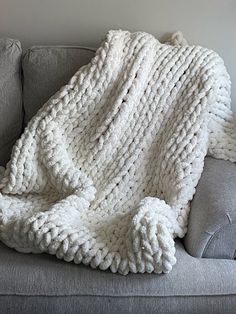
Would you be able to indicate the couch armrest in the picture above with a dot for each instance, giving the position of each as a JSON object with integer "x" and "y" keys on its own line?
{"x": 212, "y": 221}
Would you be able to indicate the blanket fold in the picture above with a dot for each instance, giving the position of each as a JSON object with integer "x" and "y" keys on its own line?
{"x": 105, "y": 171}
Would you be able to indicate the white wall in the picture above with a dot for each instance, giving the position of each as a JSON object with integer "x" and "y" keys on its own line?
{"x": 210, "y": 23}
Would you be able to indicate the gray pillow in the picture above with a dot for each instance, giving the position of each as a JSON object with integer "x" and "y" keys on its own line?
{"x": 11, "y": 115}
{"x": 46, "y": 69}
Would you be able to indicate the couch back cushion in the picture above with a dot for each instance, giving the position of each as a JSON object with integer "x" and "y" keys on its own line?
{"x": 11, "y": 115}
{"x": 46, "y": 69}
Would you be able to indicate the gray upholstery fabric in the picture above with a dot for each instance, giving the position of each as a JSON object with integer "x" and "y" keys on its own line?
{"x": 46, "y": 70}
{"x": 43, "y": 284}
{"x": 224, "y": 304}
{"x": 212, "y": 221}
{"x": 10, "y": 96}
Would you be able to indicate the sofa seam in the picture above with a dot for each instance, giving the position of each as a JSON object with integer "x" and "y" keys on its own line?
{"x": 30, "y": 50}
{"x": 60, "y": 47}
{"x": 115, "y": 296}
{"x": 213, "y": 236}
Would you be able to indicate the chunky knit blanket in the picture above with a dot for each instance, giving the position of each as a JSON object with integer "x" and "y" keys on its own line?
{"x": 105, "y": 171}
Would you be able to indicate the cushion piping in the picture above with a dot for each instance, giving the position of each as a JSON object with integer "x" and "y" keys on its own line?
{"x": 212, "y": 237}
{"x": 115, "y": 295}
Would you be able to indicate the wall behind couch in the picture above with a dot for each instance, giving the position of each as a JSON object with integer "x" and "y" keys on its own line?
{"x": 210, "y": 23}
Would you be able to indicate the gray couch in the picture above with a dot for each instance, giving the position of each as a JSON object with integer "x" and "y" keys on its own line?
{"x": 203, "y": 281}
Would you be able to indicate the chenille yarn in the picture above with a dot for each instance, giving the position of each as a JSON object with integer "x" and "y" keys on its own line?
{"x": 104, "y": 172}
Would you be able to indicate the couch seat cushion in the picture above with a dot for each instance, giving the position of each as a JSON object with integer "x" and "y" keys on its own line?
{"x": 41, "y": 282}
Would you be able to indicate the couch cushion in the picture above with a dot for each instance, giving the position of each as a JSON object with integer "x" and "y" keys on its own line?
{"x": 51, "y": 283}
{"x": 212, "y": 221}
{"x": 46, "y": 70}
{"x": 10, "y": 96}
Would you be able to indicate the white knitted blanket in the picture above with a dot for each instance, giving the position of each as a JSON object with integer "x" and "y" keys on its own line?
{"x": 104, "y": 173}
